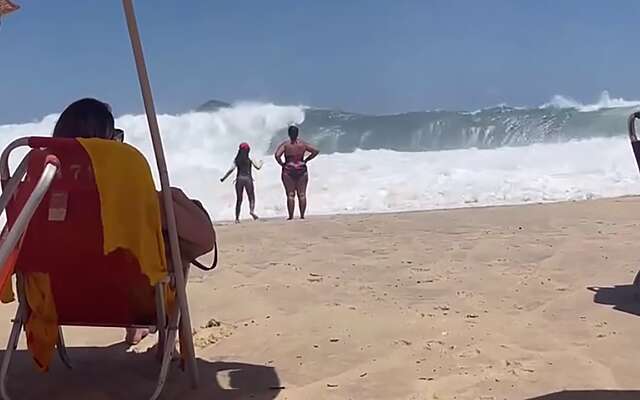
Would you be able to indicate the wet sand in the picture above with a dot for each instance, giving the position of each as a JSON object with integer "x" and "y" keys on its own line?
{"x": 491, "y": 303}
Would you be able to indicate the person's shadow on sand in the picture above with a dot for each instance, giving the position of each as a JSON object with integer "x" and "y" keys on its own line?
{"x": 625, "y": 298}
{"x": 111, "y": 372}
{"x": 591, "y": 395}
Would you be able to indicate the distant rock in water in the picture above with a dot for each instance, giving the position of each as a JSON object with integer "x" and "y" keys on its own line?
{"x": 213, "y": 105}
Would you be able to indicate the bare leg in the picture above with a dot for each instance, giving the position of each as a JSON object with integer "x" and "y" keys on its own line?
{"x": 290, "y": 190}
{"x": 135, "y": 335}
{"x": 301, "y": 190}
{"x": 239, "y": 190}
{"x": 251, "y": 194}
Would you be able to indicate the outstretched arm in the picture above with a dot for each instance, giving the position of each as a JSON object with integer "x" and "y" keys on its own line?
{"x": 229, "y": 172}
{"x": 256, "y": 164}
{"x": 279, "y": 153}
{"x": 313, "y": 152}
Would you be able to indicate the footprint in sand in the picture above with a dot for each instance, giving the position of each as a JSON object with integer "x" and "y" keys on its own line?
{"x": 211, "y": 333}
{"x": 603, "y": 330}
{"x": 517, "y": 368}
{"x": 470, "y": 353}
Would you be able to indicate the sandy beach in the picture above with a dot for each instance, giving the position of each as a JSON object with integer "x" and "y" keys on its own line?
{"x": 523, "y": 302}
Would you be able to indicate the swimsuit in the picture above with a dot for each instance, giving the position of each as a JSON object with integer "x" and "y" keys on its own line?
{"x": 294, "y": 166}
{"x": 295, "y": 170}
{"x": 244, "y": 171}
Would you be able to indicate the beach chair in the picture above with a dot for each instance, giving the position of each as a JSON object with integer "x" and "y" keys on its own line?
{"x": 56, "y": 228}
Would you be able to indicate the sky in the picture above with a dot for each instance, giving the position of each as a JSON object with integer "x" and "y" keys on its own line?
{"x": 371, "y": 56}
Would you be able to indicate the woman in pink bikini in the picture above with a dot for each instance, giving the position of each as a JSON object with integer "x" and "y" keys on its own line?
{"x": 294, "y": 169}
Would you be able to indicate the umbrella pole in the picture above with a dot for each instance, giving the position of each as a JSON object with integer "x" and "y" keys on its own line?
{"x": 187, "y": 347}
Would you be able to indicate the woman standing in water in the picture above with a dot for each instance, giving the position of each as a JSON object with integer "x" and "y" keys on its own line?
{"x": 294, "y": 170}
{"x": 244, "y": 181}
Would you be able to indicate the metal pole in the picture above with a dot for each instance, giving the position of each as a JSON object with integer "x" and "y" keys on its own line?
{"x": 174, "y": 246}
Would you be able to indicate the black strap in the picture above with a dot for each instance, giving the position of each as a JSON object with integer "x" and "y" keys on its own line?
{"x": 197, "y": 263}
{"x": 213, "y": 265}
{"x": 215, "y": 248}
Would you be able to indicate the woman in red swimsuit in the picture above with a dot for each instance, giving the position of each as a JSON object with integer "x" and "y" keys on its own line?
{"x": 294, "y": 170}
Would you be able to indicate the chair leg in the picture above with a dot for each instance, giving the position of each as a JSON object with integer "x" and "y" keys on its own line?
{"x": 186, "y": 340}
{"x": 62, "y": 349}
{"x": 167, "y": 355}
{"x": 18, "y": 322}
{"x": 161, "y": 317}
{"x": 186, "y": 336}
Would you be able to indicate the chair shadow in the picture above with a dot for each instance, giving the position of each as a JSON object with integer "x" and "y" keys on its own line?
{"x": 113, "y": 373}
{"x": 591, "y": 395}
{"x": 622, "y": 297}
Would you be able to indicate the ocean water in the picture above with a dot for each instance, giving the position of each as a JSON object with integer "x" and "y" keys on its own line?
{"x": 414, "y": 161}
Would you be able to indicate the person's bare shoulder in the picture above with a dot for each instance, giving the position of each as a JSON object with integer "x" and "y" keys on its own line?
{"x": 281, "y": 146}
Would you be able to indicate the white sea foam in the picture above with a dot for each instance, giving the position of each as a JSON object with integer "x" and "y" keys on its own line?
{"x": 605, "y": 101}
{"x": 201, "y": 146}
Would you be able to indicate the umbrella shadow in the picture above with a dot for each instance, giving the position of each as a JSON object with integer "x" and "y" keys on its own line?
{"x": 114, "y": 373}
{"x": 591, "y": 395}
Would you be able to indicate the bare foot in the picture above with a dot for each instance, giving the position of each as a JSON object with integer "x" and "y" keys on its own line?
{"x": 237, "y": 221}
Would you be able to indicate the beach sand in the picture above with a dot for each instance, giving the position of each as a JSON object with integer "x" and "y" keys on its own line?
{"x": 488, "y": 303}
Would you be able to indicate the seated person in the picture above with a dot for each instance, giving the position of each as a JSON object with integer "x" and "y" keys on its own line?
{"x": 90, "y": 118}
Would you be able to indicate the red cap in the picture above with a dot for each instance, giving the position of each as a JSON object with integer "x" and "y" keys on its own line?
{"x": 244, "y": 146}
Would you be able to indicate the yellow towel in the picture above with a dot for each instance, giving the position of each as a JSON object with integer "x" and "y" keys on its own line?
{"x": 6, "y": 292}
{"x": 120, "y": 170}
{"x": 42, "y": 325}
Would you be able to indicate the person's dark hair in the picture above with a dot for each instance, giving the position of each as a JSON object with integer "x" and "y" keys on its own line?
{"x": 86, "y": 118}
{"x": 242, "y": 158}
{"x": 293, "y": 132}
